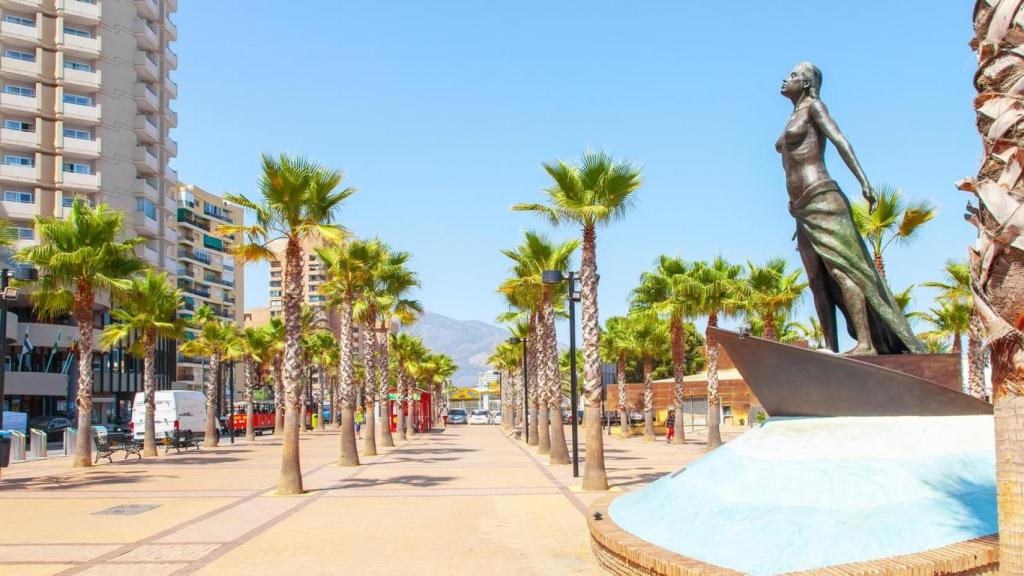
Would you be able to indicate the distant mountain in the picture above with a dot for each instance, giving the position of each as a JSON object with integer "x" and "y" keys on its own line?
{"x": 468, "y": 342}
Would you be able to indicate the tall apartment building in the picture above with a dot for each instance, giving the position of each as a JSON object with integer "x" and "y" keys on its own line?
{"x": 85, "y": 100}
{"x": 313, "y": 275}
{"x": 207, "y": 272}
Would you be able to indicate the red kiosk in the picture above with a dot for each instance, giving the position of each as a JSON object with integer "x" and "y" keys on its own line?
{"x": 421, "y": 403}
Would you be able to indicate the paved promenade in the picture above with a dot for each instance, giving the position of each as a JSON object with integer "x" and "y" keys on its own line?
{"x": 465, "y": 500}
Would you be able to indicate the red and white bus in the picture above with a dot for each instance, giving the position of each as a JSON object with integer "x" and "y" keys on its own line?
{"x": 262, "y": 417}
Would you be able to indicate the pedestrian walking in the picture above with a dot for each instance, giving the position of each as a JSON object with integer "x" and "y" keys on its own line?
{"x": 670, "y": 422}
{"x": 360, "y": 418}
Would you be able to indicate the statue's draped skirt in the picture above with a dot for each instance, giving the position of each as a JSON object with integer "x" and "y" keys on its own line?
{"x": 828, "y": 241}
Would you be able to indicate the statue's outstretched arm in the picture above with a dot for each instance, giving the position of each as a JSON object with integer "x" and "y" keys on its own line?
{"x": 824, "y": 120}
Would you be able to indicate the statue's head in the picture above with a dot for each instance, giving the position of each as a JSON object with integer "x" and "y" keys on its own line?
{"x": 805, "y": 78}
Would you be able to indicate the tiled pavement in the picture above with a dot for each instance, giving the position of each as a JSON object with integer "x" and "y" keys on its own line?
{"x": 464, "y": 500}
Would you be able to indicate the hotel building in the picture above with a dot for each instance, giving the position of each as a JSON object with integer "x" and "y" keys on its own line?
{"x": 85, "y": 97}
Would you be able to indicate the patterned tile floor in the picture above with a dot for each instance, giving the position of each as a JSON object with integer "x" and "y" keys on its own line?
{"x": 446, "y": 502}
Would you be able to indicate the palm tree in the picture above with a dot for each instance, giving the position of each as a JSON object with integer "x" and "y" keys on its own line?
{"x": 664, "y": 291}
{"x": 218, "y": 340}
{"x": 322, "y": 348}
{"x": 812, "y": 332}
{"x": 531, "y": 258}
{"x": 298, "y": 203}
{"x": 617, "y": 344}
{"x": 949, "y": 321}
{"x": 444, "y": 369}
{"x": 78, "y": 258}
{"x": 997, "y": 256}
{"x": 405, "y": 351}
{"x": 956, "y": 287}
{"x": 147, "y": 309}
{"x": 593, "y": 193}
{"x": 714, "y": 288}
{"x": 770, "y": 292}
{"x": 894, "y": 219}
{"x": 524, "y": 307}
{"x": 507, "y": 360}
{"x": 652, "y": 338}
{"x": 275, "y": 333}
{"x": 256, "y": 347}
{"x": 385, "y": 300}
{"x": 350, "y": 268}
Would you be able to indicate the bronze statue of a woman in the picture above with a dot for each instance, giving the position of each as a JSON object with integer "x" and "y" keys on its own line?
{"x": 839, "y": 269}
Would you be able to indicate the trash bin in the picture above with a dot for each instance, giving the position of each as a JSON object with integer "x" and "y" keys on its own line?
{"x": 5, "y": 448}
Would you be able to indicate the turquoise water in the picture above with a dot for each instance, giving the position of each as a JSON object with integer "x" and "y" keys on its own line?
{"x": 806, "y": 493}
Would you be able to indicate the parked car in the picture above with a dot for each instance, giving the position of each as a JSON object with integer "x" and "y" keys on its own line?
{"x": 175, "y": 410}
{"x": 54, "y": 426}
{"x": 479, "y": 417}
{"x": 457, "y": 416}
{"x": 567, "y": 418}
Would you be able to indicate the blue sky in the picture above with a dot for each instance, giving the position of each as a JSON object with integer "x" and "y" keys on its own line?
{"x": 442, "y": 112}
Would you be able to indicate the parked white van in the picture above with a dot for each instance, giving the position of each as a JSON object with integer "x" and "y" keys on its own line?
{"x": 175, "y": 410}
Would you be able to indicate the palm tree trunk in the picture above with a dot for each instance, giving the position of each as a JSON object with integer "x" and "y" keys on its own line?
{"x": 290, "y": 480}
{"x": 958, "y": 346}
{"x": 649, "y": 400}
{"x": 975, "y": 359}
{"x": 400, "y": 404}
{"x": 410, "y": 420}
{"x": 678, "y": 372}
{"x": 769, "y": 325}
{"x": 278, "y": 397}
{"x": 545, "y": 386}
{"x": 149, "y": 387}
{"x": 594, "y": 475}
{"x": 371, "y": 361}
{"x": 997, "y": 266}
{"x": 332, "y": 385}
{"x": 250, "y": 375}
{"x": 714, "y": 427}
{"x": 533, "y": 362}
{"x": 386, "y": 438}
{"x": 321, "y": 423}
{"x": 620, "y": 377}
{"x": 879, "y": 264}
{"x": 210, "y": 438}
{"x": 349, "y": 451}
{"x": 558, "y": 449}
{"x": 83, "y": 318}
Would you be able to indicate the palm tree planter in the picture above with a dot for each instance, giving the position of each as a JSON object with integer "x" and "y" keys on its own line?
{"x": 78, "y": 258}
{"x": 594, "y": 193}
{"x": 148, "y": 308}
{"x": 298, "y": 204}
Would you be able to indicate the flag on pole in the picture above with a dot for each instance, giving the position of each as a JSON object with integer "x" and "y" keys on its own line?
{"x": 53, "y": 352}
{"x": 26, "y": 349}
{"x": 70, "y": 359}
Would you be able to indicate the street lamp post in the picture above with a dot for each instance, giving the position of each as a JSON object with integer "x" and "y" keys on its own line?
{"x": 556, "y": 277}
{"x": 526, "y": 391}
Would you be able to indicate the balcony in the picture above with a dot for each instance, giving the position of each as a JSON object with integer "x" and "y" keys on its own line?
{"x": 19, "y": 139}
{"x": 171, "y": 28}
{"x": 79, "y": 147}
{"x": 169, "y": 263}
{"x": 80, "y": 11}
{"x": 19, "y": 173}
{"x": 172, "y": 147}
{"x": 172, "y": 89}
{"x": 20, "y": 32}
{"x": 147, "y": 37}
{"x": 146, "y": 67}
{"x": 171, "y": 58}
{"x": 145, "y": 226}
{"x": 21, "y": 210}
{"x": 148, "y": 254}
{"x": 146, "y": 163}
{"x": 84, "y": 78}
{"x": 21, "y": 67}
{"x": 193, "y": 254}
{"x": 80, "y": 113}
{"x": 79, "y": 45}
{"x": 146, "y": 130}
{"x": 192, "y": 220}
{"x": 170, "y": 204}
{"x": 172, "y": 175}
{"x": 198, "y": 290}
{"x": 16, "y": 103}
{"x": 146, "y": 101}
{"x": 29, "y": 4}
{"x": 142, "y": 188}
{"x": 88, "y": 182}
{"x": 171, "y": 234}
{"x": 148, "y": 8}
{"x": 172, "y": 118}
{"x": 171, "y": 6}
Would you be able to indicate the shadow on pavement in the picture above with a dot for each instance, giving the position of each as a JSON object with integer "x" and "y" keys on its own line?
{"x": 413, "y": 480}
